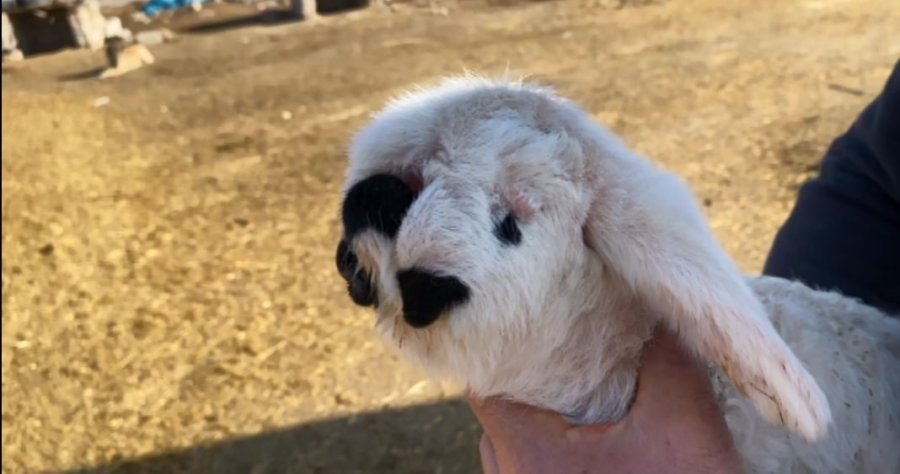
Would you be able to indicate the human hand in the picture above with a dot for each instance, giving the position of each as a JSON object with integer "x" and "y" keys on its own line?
{"x": 674, "y": 426}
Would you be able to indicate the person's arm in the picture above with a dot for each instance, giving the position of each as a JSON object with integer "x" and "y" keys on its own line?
{"x": 673, "y": 427}
{"x": 844, "y": 230}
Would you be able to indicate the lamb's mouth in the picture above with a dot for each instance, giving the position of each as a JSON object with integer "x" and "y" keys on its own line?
{"x": 425, "y": 295}
{"x": 373, "y": 210}
{"x": 363, "y": 289}
{"x": 372, "y": 213}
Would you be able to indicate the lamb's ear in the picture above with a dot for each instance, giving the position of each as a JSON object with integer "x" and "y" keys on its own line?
{"x": 647, "y": 227}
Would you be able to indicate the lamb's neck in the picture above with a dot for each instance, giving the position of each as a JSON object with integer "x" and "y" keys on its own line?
{"x": 610, "y": 401}
{"x": 612, "y": 346}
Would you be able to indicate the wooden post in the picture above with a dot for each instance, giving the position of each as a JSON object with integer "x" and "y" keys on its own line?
{"x": 11, "y": 51}
{"x": 88, "y": 24}
{"x": 9, "y": 36}
{"x": 304, "y": 9}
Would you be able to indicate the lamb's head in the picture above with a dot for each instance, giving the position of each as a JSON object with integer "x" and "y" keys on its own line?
{"x": 460, "y": 230}
{"x": 496, "y": 228}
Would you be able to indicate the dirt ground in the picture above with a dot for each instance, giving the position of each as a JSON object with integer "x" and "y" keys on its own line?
{"x": 170, "y": 302}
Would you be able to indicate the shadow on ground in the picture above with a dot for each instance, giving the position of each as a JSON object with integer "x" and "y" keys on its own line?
{"x": 92, "y": 73}
{"x": 266, "y": 18}
{"x": 437, "y": 438}
{"x": 275, "y": 17}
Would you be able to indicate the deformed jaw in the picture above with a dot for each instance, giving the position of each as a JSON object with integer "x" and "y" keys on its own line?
{"x": 376, "y": 203}
{"x": 425, "y": 295}
{"x": 379, "y": 204}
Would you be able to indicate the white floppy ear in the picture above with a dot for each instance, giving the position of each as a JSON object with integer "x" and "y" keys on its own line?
{"x": 647, "y": 226}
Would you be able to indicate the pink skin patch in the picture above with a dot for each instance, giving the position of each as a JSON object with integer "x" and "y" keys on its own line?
{"x": 519, "y": 204}
{"x": 414, "y": 180}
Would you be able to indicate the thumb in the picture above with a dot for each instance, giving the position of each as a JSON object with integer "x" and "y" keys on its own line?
{"x": 670, "y": 377}
{"x": 488, "y": 456}
{"x": 500, "y": 417}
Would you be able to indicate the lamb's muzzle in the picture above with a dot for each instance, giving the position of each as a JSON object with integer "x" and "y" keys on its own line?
{"x": 379, "y": 203}
{"x": 359, "y": 282}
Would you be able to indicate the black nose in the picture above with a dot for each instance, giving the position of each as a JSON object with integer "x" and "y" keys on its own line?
{"x": 379, "y": 202}
{"x": 426, "y": 295}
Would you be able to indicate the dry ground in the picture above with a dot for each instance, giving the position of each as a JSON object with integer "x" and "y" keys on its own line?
{"x": 169, "y": 297}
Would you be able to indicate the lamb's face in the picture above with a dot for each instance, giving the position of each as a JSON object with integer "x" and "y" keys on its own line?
{"x": 462, "y": 220}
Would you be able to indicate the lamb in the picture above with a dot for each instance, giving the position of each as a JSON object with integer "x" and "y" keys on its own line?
{"x": 508, "y": 241}
{"x": 124, "y": 57}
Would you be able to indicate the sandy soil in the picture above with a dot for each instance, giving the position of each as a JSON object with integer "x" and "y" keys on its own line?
{"x": 169, "y": 297}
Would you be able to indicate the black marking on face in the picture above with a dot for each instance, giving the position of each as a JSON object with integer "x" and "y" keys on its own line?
{"x": 346, "y": 260}
{"x": 426, "y": 295}
{"x": 378, "y": 202}
{"x": 508, "y": 231}
{"x": 359, "y": 284}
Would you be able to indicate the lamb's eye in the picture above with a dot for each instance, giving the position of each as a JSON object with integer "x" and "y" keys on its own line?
{"x": 508, "y": 231}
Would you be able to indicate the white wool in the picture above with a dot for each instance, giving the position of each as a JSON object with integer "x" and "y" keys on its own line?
{"x": 611, "y": 246}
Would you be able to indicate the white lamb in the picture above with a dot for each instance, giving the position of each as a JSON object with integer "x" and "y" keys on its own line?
{"x": 510, "y": 242}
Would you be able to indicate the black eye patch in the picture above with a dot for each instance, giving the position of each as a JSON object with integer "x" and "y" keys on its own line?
{"x": 378, "y": 202}
{"x": 359, "y": 284}
{"x": 507, "y": 230}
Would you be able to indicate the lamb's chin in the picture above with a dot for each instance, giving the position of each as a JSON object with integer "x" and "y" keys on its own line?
{"x": 394, "y": 331}
{"x": 387, "y": 324}
{"x": 383, "y": 317}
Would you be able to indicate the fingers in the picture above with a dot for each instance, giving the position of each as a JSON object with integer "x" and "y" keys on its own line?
{"x": 671, "y": 381}
{"x": 488, "y": 457}
{"x": 665, "y": 359}
{"x": 520, "y": 438}
{"x": 497, "y": 415}
{"x": 673, "y": 406}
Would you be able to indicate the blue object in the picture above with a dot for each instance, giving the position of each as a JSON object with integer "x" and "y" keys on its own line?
{"x": 153, "y": 7}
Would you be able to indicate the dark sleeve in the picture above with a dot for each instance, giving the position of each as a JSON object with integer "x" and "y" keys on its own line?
{"x": 844, "y": 230}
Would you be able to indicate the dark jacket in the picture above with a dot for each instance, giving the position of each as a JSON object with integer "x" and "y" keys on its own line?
{"x": 844, "y": 231}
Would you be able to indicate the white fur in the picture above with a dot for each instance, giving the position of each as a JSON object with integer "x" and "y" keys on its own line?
{"x": 611, "y": 246}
